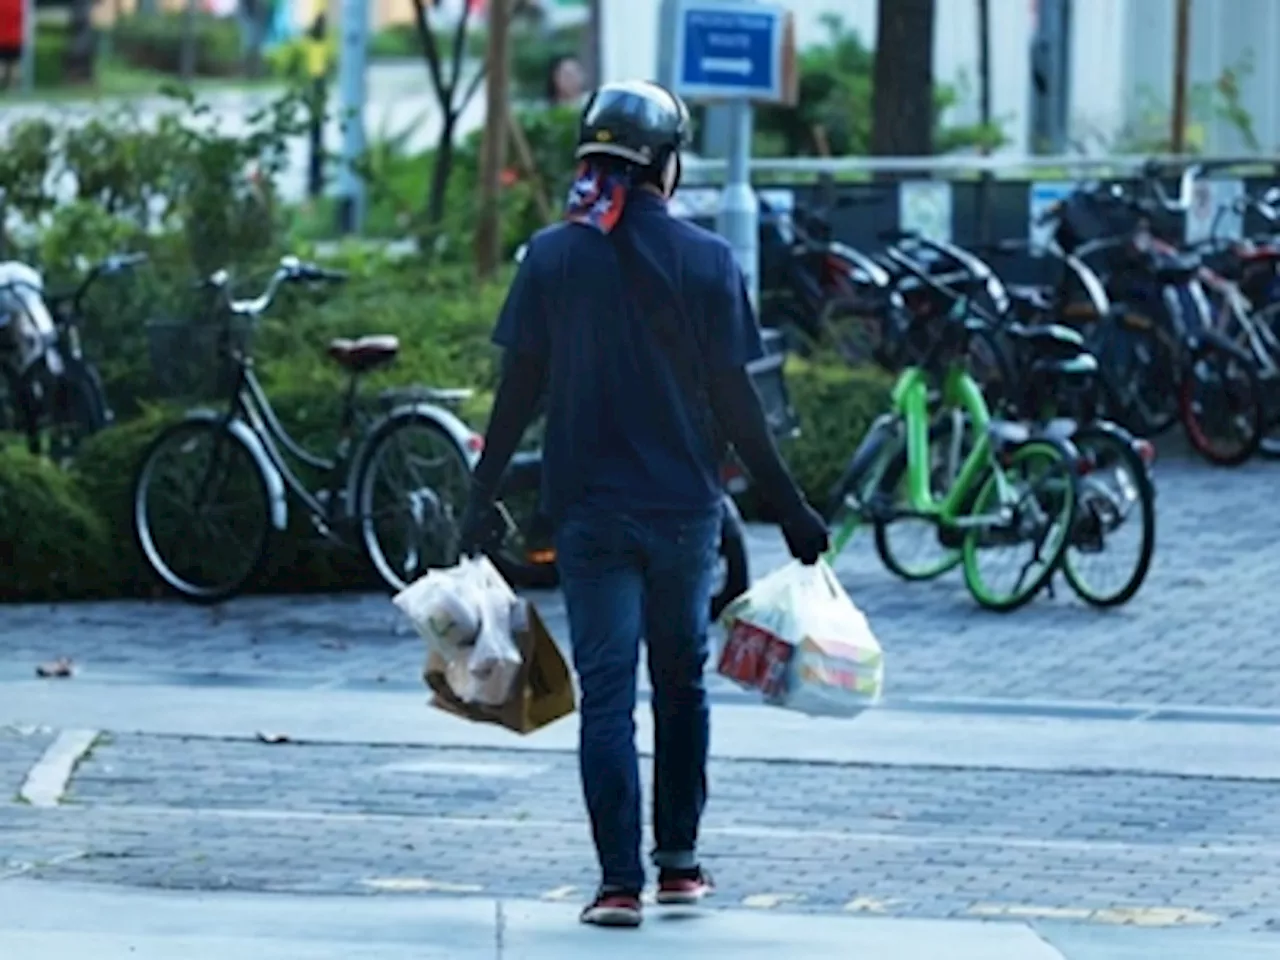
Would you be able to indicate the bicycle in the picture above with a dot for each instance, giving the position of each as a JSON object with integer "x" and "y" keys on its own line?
{"x": 242, "y": 450}
{"x": 1243, "y": 278}
{"x": 58, "y": 394}
{"x": 977, "y": 506}
{"x": 1053, "y": 380}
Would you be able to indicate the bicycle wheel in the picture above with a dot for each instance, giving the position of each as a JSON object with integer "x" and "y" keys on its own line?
{"x": 80, "y": 410}
{"x": 1269, "y": 445}
{"x": 412, "y": 487}
{"x": 1115, "y": 512}
{"x": 988, "y": 363}
{"x": 526, "y": 556}
{"x": 1040, "y": 477}
{"x": 1142, "y": 363}
{"x": 201, "y": 511}
{"x": 732, "y": 575}
{"x": 933, "y": 553}
{"x": 1220, "y": 402}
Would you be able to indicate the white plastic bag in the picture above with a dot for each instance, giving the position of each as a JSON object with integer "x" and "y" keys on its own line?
{"x": 465, "y": 614}
{"x": 797, "y": 638}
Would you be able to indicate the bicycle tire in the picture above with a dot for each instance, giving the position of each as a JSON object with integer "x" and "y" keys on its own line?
{"x": 998, "y": 381}
{"x": 145, "y": 538}
{"x": 1251, "y": 405}
{"x": 1086, "y": 438}
{"x": 1154, "y": 377}
{"x": 82, "y": 408}
{"x": 969, "y": 549}
{"x": 1269, "y": 445}
{"x": 940, "y": 433}
{"x": 447, "y": 515}
{"x": 737, "y": 575}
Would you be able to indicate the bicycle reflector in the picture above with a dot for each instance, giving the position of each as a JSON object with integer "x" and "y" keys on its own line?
{"x": 475, "y": 443}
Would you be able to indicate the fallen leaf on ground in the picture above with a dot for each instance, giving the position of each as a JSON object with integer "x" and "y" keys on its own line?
{"x": 274, "y": 737}
{"x": 60, "y": 668}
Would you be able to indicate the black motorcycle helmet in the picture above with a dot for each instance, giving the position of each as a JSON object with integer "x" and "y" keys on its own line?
{"x": 634, "y": 121}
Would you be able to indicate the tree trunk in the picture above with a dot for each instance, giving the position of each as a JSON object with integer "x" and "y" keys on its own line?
{"x": 902, "y": 93}
{"x": 440, "y": 172}
{"x": 78, "y": 64}
{"x": 493, "y": 152}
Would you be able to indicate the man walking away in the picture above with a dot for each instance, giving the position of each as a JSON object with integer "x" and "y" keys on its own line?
{"x": 638, "y": 328}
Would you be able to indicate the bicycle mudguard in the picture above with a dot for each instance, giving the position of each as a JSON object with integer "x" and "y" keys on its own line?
{"x": 276, "y": 490}
{"x": 449, "y": 423}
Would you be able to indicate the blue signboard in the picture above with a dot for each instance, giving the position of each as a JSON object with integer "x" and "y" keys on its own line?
{"x": 729, "y": 51}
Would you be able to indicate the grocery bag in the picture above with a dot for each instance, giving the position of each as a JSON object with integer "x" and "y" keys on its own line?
{"x": 798, "y": 639}
{"x": 543, "y": 691}
{"x": 465, "y": 615}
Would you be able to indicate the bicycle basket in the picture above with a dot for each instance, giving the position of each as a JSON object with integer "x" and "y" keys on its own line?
{"x": 193, "y": 359}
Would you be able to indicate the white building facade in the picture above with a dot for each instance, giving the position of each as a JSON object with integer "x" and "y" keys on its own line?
{"x": 1120, "y": 60}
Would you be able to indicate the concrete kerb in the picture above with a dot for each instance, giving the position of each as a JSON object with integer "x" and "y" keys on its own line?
{"x": 52, "y": 923}
{"x": 1173, "y": 748}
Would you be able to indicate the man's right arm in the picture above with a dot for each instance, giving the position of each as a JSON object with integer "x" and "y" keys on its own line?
{"x": 734, "y": 338}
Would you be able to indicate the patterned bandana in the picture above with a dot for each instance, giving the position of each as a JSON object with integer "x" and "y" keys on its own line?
{"x": 597, "y": 198}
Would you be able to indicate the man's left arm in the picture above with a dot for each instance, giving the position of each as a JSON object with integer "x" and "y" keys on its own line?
{"x": 524, "y": 337}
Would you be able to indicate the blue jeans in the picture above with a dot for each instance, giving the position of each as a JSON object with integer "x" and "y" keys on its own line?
{"x": 625, "y": 577}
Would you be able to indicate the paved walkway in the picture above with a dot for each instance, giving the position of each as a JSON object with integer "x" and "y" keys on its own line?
{"x": 1201, "y": 631}
{"x": 1037, "y": 786}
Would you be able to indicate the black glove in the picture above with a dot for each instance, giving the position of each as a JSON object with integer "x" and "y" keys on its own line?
{"x": 482, "y": 525}
{"x": 806, "y": 534}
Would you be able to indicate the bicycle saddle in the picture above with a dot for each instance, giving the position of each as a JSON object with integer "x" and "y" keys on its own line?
{"x": 364, "y": 353}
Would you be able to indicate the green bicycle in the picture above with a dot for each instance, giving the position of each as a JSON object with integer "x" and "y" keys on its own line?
{"x": 1013, "y": 489}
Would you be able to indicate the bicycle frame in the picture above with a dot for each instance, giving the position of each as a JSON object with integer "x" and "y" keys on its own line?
{"x": 251, "y": 404}
{"x": 910, "y": 396}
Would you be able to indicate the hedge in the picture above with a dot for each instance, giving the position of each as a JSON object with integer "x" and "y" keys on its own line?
{"x": 69, "y": 535}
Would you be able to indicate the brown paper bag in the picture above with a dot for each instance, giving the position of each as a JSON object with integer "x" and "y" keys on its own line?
{"x": 543, "y": 691}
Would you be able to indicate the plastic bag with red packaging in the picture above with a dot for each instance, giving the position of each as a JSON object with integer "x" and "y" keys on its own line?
{"x": 798, "y": 639}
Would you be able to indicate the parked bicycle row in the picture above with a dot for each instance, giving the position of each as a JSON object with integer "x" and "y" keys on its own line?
{"x": 1177, "y": 334}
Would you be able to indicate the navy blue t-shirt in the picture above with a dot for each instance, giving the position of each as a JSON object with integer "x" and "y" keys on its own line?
{"x": 623, "y": 431}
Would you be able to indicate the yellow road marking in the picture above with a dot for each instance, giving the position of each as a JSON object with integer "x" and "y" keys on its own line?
{"x": 767, "y": 901}
{"x": 560, "y": 894}
{"x": 1155, "y": 917}
{"x": 1115, "y": 916}
{"x": 870, "y": 905}
{"x": 420, "y": 885}
{"x": 1028, "y": 911}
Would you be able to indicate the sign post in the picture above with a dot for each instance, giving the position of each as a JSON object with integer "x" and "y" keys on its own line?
{"x": 735, "y": 52}
{"x": 27, "y": 65}
{"x": 351, "y": 83}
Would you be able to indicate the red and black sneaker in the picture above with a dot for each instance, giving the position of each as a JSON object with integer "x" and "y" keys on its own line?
{"x": 613, "y": 909}
{"x": 684, "y": 887}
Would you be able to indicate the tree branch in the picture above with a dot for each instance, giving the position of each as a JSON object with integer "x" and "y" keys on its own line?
{"x": 431, "y": 52}
{"x": 472, "y": 89}
{"x": 459, "y": 50}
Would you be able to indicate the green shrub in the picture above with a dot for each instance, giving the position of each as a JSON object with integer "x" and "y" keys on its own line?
{"x": 836, "y": 405}
{"x": 52, "y": 543}
{"x": 51, "y": 51}
{"x": 154, "y": 41}
{"x": 104, "y": 471}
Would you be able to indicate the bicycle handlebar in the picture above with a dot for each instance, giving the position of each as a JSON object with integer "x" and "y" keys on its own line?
{"x": 108, "y": 266}
{"x": 291, "y": 270}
